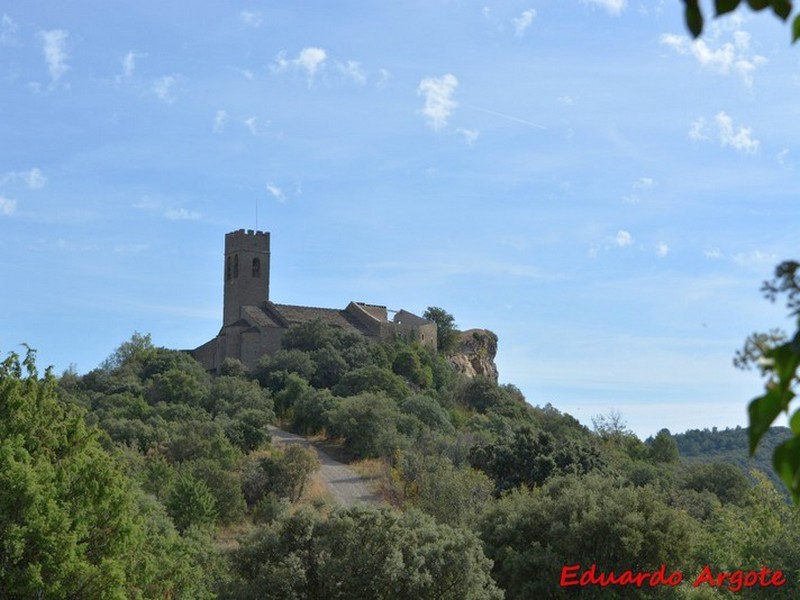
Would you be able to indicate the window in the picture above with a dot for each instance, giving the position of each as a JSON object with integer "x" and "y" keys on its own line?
{"x": 235, "y": 266}
{"x": 256, "y": 267}
{"x": 228, "y": 268}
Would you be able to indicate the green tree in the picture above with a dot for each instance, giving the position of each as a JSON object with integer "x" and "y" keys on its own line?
{"x": 446, "y": 333}
{"x": 663, "y": 448}
{"x": 361, "y": 553}
{"x": 71, "y": 524}
{"x": 191, "y": 502}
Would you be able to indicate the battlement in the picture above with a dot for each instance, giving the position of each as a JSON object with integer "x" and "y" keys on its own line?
{"x": 247, "y": 232}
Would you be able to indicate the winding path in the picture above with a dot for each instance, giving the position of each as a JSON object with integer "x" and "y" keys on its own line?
{"x": 345, "y": 485}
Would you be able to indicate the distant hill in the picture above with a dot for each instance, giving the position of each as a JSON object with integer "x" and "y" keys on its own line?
{"x": 730, "y": 445}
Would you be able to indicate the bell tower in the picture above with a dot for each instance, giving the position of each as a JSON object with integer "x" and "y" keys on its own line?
{"x": 246, "y": 272}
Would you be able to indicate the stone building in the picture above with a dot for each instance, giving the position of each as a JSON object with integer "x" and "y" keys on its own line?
{"x": 253, "y": 325}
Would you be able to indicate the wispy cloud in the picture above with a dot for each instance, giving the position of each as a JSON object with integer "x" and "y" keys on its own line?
{"x": 643, "y": 185}
{"x": 7, "y": 205}
{"x": 131, "y": 249}
{"x": 250, "y": 123}
{"x": 8, "y": 31}
{"x": 181, "y": 214}
{"x": 730, "y": 57}
{"x": 713, "y": 253}
{"x": 662, "y": 249}
{"x": 220, "y": 119}
{"x": 164, "y": 88}
{"x": 756, "y": 257}
{"x": 439, "y": 103}
{"x": 740, "y": 139}
{"x": 470, "y": 135}
{"x": 54, "y": 44}
{"x": 351, "y": 69}
{"x": 128, "y": 63}
{"x": 385, "y": 76}
{"x": 523, "y": 22}
{"x": 276, "y": 192}
{"x": 251, "y": 18}
{"x": 310, "y": 60}
{"x": 613, "y": 7}
{"x": 623, "y": 238}
{"x": 33, "y": 178}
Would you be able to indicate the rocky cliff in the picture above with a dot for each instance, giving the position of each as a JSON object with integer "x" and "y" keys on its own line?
{"x": 475, "y": 354}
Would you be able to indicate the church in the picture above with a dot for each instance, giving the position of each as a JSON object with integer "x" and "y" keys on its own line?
{"x": 253, "y": 325}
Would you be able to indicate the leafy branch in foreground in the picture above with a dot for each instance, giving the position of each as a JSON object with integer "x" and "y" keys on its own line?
{"x": 779, "y": 361}
{"x": 693, "y": 15}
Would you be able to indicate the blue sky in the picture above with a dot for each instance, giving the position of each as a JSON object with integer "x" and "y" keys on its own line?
{"x": 576, "y": 175}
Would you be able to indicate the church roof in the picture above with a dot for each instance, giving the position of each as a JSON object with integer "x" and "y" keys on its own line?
{"x": 330, "y": 316}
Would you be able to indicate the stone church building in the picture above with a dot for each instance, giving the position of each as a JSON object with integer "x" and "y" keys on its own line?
{"x": 253, "y": 325}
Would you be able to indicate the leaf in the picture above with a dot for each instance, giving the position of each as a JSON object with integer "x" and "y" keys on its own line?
{"x": 786, "y": 462}
{"x": 763, "y": 411}
{"x": 785, "y": 362}
{"x": 758, "y": 4}
{"x": 794, "y": 423}
{"x": 782, "y": 8}
{"x": 725, "y": 6}
{"x": 796, "y": 29}
{"x": 694, "y": 18}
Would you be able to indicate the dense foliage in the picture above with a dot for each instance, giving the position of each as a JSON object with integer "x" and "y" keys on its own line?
{"x": 137, "y": 479}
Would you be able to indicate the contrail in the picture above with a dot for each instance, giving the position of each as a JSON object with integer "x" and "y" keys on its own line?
{"x": 509, "y": 117}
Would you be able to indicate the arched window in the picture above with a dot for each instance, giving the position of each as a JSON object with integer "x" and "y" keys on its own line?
{"x": 235, "y": 266}
{"x": 256, "y": 267}
{"x": 228, "y": 268}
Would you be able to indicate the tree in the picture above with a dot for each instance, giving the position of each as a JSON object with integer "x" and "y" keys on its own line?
{"x": 779, "y": 362}
{"x": 71, "y": 523}
{"x": 361, "y": 553}
{"x": 781, "y": 8}
{"x": 446, "y": 332}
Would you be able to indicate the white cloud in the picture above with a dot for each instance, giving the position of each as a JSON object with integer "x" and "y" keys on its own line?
{"x": 131, "y": 248}
{"x": 250, "y": 123}
{"x": 729, "y": 57}
{"x": 613, "y": 7}
{"x": 8, "y": 31}
{"x": 55, "y": 54}
{"x": 713, "y": 253}
{"x": 697, "y": 130}
{"x": 756, "y": 257}
{"x": 251, "y": 18}
{"x": 470, "y": 135}
{"x": 385, "y": 76}
{"x": 781, "y": 158}
{"x": 276, "y": 192}
{"x": 644, "y": 183}
{"x": 7, "y": 205}
{"x": 163, "y": 88}
{"x": 129, "y": 63}
{"x": 220, "y": 119}
{"x": 32, "y": 178}
{"x": 623, "y": 238}
{"x": 246, "y": 73}
{"x": 181, "y": 214}
{"x": 662, "y": 249}
{"x": 353, "y": 70}
{"x": 438, "y": 102}
{"x": 309, "y": 60}
{"x": 740, "y": 140}
{"x": 523, "y": 22}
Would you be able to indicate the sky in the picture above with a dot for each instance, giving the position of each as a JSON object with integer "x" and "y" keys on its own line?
{"x": 578, "y": 176}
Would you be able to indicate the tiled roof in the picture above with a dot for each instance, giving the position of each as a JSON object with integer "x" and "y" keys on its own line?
{"x": 329, "y": 316}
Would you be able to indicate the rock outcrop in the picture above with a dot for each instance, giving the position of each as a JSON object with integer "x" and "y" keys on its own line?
{"x": 475, "y": 352}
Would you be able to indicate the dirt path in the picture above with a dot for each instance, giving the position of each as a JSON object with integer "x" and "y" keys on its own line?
{"x": 345, "y": 485}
